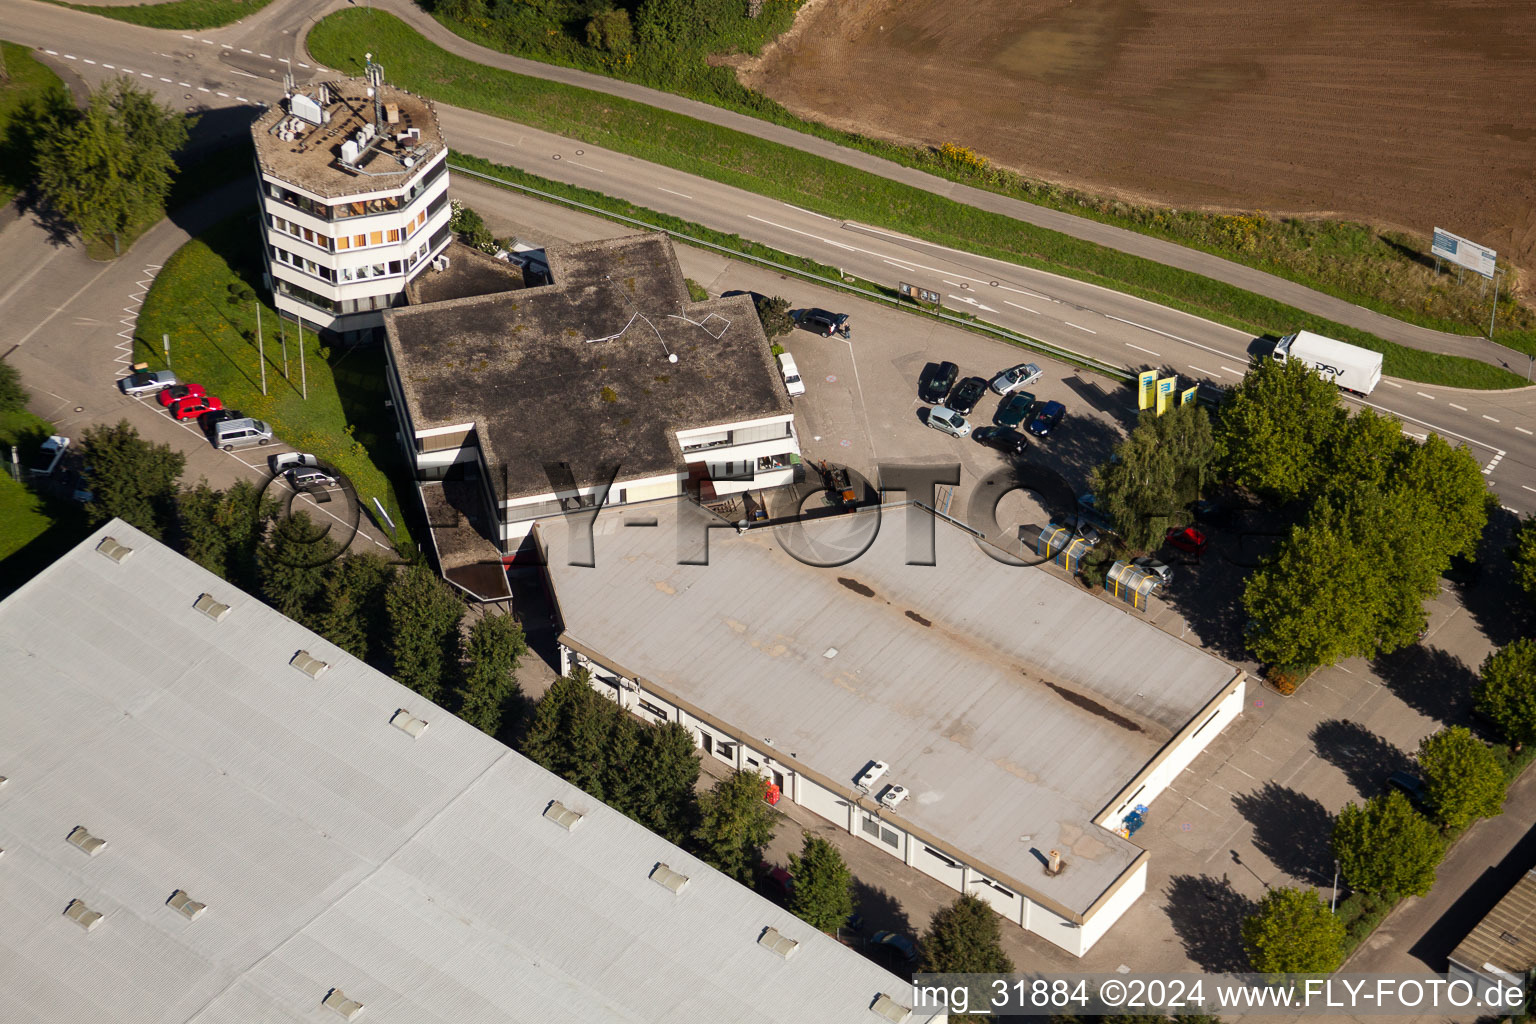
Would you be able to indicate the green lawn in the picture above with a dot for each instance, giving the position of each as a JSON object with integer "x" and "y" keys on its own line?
{"x": 1384, "y": 270}
{"x": 179, "y": 14}
{"x": 213, "y": 342}
{"x": 22, "y": 517}
{"x": 836, "y": 190}
{"x": 30, "y": 81}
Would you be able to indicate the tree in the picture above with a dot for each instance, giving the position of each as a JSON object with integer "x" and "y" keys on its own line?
{"x": 1386, "y": 847}
{"x": 823, "y": 890}
{"x": 350, "y": 611}
{"x": 1523, "y": 555}
{"x": 1506, "y": 691}
{"x": 1293, "y": 932}
{"x": 1155, "y": 472}
{"x": 570, "y": 730}
{"x": 735, "y": 823}
{"x": 111, "y": 167}
{"x": 1273, "y": 427}
{"x": 1455, "y": 499}
{"x": 423, "y": 631}
{"x": 222, "y": 530}
{"x": 1311, "y": 602}
{"x": 13, "y": 394}
{"x": 773, "y": 314}
{"x": 1463, "y": 778}
{"x": 669, "y": 764}
{"x": 964, "y": 938}
{"x": 496, "y": 643}
{"x": 611, "y": 31}
{"x": 131, "y": 478}
{"x": 292, "y": 565}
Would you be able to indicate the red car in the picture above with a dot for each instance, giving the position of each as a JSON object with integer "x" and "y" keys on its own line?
{"x": 1186, "y": 539}
{"x": 176, "y": 392}
{"x": 195, "y": 405}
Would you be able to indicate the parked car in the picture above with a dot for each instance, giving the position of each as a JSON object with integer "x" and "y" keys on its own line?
{"x": 792, "y": 382}
{"x": 936, "y": 380}
{"x": 1082, "y": 527}
{"x": 304, "y": 478}
{"x": 195, "y": 405}
{"x": 50, "y": 455}
{"x": 1186, "y": 538}
{"x": 213, "y": 417}
{"x": 1047, "y": 419}
{"x": 780, "y": 882}
{"x": 1015, "y": 377}
{"x": 966, "y": 394}
{"x": 950, "y": 422}
{"x": 232, "y": 434}
{"x": 1014, "y": 409}
{"x": 146, "y": 382}
{"x": 1412, "y": 787}
{"x": 176, "y": 392}
{"x": 822, "y": 322}
{"x": 902, "y": 944}
{"x": 284, "y": 461}
{"x": 1004, "y": 439}
{"x": 1161, "y": 570}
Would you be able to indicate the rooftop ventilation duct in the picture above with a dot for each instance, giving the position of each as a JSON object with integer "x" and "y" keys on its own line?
{"x": 78, "y": 836}
{"x": 562, "y": 815}
{"x": 113, "y": 550}
{"x": 772, "y": 939}
{"x": 408, "y": 724}
{"x": 337, "y": 1000}
{"x": 185, "y": 905}
{"x": 308, "y": 664}
{"x": 667, "y": 878}
{"x": 891, "y": 1010}
{"x": 210, "y": 606}
{"x": 82, "y": 915}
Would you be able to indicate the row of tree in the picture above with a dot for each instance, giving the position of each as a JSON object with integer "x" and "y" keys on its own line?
{"x": 404, "y": 621}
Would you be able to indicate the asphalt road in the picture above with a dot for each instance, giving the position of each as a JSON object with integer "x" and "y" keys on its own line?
{"x": 245, "y": 63}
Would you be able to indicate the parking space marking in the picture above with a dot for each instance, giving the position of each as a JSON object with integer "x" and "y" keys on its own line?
{"x": 1148, "y": 351}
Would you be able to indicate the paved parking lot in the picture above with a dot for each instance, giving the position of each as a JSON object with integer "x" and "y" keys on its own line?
{"x": 1255, "y": 809}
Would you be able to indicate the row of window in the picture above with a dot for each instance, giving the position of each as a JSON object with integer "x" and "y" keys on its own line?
{"x": 343, "y": 306}
{"x": 361, "y": 207}
{"x": 342, "y": 243}
{"x": 347, "y": 275}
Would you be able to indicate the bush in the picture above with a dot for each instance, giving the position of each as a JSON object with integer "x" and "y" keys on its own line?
{"x": 610, "y": 31}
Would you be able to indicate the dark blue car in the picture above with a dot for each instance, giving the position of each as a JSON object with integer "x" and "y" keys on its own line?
{"x": 1047, "y": 419}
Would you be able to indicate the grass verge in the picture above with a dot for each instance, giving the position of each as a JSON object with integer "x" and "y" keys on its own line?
{"x": 181, "y": 14}
{"x": 214, "y": 342}
{"x": 1387, "y": 271}
{"x": 834, "y": 189}
{"x": 30, "y": 82}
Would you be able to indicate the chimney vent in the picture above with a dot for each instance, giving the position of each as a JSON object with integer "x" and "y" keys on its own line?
{"x": 1055, "y": 866}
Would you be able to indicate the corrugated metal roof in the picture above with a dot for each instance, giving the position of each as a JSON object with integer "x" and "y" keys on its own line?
{"x": 332, "y": 849}
{"x": 1008, "y": 701}
{"x": 1512, "y": 918}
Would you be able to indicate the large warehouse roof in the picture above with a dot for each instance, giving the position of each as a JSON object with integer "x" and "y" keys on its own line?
{"x": 1012, "y": 705}
{"x": 421, "y": 875}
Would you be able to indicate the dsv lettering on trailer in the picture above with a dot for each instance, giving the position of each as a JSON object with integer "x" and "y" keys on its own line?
{"x": 1333, "y": 371}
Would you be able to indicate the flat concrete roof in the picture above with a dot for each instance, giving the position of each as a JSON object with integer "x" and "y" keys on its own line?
{"x": 470, "y": 272}
{"x": 418, "y": 876}
{"x": 312, "y": 161}
{"x": 1008, "y": 701}
{"x": 1505, "y": 940}
{"x": 577, "y": 371}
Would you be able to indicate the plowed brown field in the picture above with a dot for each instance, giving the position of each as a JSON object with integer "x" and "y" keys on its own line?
{"x": 1409, "y": 113}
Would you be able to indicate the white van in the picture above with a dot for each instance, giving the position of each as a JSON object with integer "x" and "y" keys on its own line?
{"x": 792, "y": 382}
{"x": 232, "y": 434}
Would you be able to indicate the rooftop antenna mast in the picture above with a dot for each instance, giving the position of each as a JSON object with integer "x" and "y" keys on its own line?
{"x": 375, "y": 75}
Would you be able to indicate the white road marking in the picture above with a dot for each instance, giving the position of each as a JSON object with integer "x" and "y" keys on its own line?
{"x": 1490, "y": 467}
{"x": 283, "y": 60}
{"x": 683, "y": 194}
{"x": 224, "y": 94}
{"x": 1453, "y": 405}
{"x": 1175, "y": 337}
{"x": 242, "y": 99}
{"x": 201, "y": 89}
{"x": 145, "y": 74}
{"x": 1069, "y": 323}
{"x": 185, "y": 85}
{"x": 1489, "y": 418}
{"x": 1522, "y": 430}
{"x": 1391, "y": 384}
{"x": 589, "y": 167}
{"x": 1025, "y": 291}
{"x": 210, "y": 42}
{"x": 109, "y": 66}
{"x": 303, "y": 65}
{"x": 70, "y": 56}
{"x": 89, "y": 61}
{"x": 840, "y": 245}
{"x": 1148, "y": 351}
{"x": 967, "y": 300}
{"x": 267, "y": 55}
{"x": 1423, "y": 423}
{"x": 1202, "y": 369}
{"x": 167, "y": 81}
{"x": 1423, "y": 395}
{"x": 1230, "y": 370}
{"x": 813, "y": 213}
{"x": 227, "y": 46}
{"x": 247, "y": 74}
{"x": 1026, "y": 309}
{"x": 185, "y": 36}
{"x": 244, "y": 50}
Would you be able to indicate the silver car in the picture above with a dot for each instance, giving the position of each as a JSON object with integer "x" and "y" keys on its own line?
{"x": 950, "y": 422}
{"x": 1015, "y": 377}
{"x": 1161, "y": 570}
{"x": 147, "y": 382}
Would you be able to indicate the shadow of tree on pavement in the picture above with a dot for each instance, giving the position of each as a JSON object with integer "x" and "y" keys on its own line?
{"x": 1431, "y": 681}
{"x": 1208, "y": 915}
{"x": 1292, "y": 829}
{"x": 1364, "y": 757}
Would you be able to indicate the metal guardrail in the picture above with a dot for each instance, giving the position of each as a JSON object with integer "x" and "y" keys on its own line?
{"x": 1119, "y": 373}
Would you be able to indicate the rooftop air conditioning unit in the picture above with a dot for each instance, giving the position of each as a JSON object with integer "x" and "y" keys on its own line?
{"x": 349, "y": 152}
{"x": 440, "y": 263}
{"x": 893, "y": 795}
{"x": 872, "y": 775}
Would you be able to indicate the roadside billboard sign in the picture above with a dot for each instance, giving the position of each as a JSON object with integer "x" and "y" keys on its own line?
{"x": 1464, "y": 253}
{"x": 1147, "y": 380}
{"x": 918, "y": 294}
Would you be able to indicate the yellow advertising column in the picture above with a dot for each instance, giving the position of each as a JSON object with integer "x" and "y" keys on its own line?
{"x": 1187, "y": 396}
{"x": 1164, "y": 389}
{"x": 1148, "y": 384}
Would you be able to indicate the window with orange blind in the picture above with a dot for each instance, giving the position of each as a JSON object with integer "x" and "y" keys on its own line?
{"x": 375, "y": 238}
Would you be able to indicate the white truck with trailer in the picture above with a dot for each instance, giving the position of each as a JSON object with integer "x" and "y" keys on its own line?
{"x": 1349, "y": 366}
